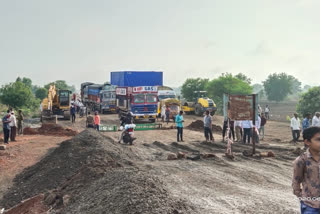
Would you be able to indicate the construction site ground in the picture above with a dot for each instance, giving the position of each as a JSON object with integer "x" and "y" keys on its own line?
{"x": 92, "y": 173}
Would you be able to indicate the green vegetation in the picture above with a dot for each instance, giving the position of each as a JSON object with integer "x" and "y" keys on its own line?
{"x": 309, "y": 102}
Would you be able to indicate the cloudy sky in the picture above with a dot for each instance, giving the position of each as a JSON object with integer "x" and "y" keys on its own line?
{"x": 83, "y": 40}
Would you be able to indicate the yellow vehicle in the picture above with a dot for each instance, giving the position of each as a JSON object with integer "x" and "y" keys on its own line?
{"x": 200, "y": 105}
{"x": 173, "y": 104}
{"x": 56, "y": 105}
{"x": 165, "y": 92}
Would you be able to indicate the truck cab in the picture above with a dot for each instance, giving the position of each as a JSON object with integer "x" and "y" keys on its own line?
{"x": 108, "y": 99}
{"x": 141, "y": 102}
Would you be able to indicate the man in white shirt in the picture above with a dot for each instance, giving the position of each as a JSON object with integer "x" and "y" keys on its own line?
{"x": 267, "y": 112}
{"x": 247, "y": 126}
{"x": 316, "y": 120}
{"x": 13, "y": 127}
{"x": 295, "y": 127}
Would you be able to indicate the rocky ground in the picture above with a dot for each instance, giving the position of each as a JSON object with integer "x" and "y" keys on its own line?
{"x": 92, "y": 173}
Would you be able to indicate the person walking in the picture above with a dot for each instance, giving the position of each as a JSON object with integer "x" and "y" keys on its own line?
{"x": 295, "y": 127}
{"x": 238, "y": 130}
{"x": 263, "y": 123}
{"x": 20, "y": 120}
{"x": 247, "y": 127}
{"x": 6, "y": 127}
{"x": 316, "y": 119}
{"x": 73, "y": 113}
{"x": 305, "y": 179}
{"x": 179, "y": 121}
{"x": 97, "y": 120}
{"x": 13, "y": 127}
{"x": 207, "y": 121}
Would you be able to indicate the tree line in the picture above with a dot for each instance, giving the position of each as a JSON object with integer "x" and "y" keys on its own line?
{"x": 277, "y": 87}
{"x": 22, "y": 94}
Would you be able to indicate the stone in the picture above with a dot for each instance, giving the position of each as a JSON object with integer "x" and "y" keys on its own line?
{"x": 172, "y": 157}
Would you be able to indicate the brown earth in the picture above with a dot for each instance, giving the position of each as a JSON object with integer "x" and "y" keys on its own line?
{"x": 50, "y": 129}
{"x": 96, "y": 174}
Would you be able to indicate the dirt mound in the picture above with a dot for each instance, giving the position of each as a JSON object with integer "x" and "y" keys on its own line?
{"x": 199, "y": 126}
{"x": 50, "y": 129}
{"x": 97, "y": 175}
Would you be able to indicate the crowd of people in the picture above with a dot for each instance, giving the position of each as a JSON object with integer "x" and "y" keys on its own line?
{"x": 297, "y": 127}
{"x": 11, "y": 125}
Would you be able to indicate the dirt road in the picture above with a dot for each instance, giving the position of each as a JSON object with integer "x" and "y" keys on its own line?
{"x": 214, "y": 185}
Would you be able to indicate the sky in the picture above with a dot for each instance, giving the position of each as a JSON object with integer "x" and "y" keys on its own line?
{"x": 84, "y": 40}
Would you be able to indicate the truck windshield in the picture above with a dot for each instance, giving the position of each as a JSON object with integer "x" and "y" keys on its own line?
{"x": 138, "y": 98}
{"x": 64, "y": 98}
{"x": 151, "y": 98}
{"x": 161, "y": 97}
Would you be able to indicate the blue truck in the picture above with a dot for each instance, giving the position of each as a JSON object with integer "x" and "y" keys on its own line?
{"x": 99, "y": 97}
{"x": 137, "y": 93}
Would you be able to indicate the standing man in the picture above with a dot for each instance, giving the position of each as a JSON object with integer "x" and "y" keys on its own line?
{"x": 6, "y": 127}
{"x": 20, "y": 119}
{"x": 316, "y": 120}
{"x": 207, "y": 121}
{"x": 247, "y": 127}
{"x": 295, "y": 127}
{"x": 163, "y": 112}
{"x": 73, "y": 113}
{"x": 257, "y": 128}
{"x": 89, "y": 121}
{"x": 238, "y": 128}
{"x": 306, "y": 122}
{"x": 167, "y": 114}
{"x": 267, "y": 112}
{"x": 13, "y": 127}
{"x": 179, "y": 121}
{"x": 263, "y": 123}
{"x": 97, "y": 120}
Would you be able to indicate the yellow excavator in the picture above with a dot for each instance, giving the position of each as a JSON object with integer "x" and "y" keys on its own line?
{"x": 56, "y": 105}
{"x": 200, "y": 105}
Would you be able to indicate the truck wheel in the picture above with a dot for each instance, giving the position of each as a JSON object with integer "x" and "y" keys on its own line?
{"x": 212, "y": 113}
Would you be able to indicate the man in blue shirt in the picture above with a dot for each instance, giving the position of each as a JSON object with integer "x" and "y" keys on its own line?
{"x": 247, "y": 127}
{"x": 179, "y": 122}
{"x": 306, "y": 122}
{"x": 6, "y": 127}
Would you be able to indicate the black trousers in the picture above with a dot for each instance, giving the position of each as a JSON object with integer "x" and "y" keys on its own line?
{"x": 208, "y": 133}
{"x": 295, "y": 135}
{"x": 231, "y": 132}
{"x": 73, "y": 116}
{"x": 180, "y": 133}
{"x": 6, "y": 133}
{"x": 246, "y": 134}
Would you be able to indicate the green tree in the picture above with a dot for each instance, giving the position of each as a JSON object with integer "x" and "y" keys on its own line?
{"x": 244, "y": 78}
{"x": 278, "y": 86}
{"x": 27, "y": 82}
{"x": 309, "y": 101}
{"x": 60, "y": 85}
{"x": 41, "y": 93}
{"x": 17, "y": 95}
{"x": 191, "y": 85}
{"x": 227, "y": 84}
